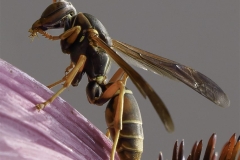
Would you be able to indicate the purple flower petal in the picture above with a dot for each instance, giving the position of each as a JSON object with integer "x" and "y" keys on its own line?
{"x": 57, "y": 132}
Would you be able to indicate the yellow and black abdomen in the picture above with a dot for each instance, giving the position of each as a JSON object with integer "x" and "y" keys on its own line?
{"x": 130, "y": 143}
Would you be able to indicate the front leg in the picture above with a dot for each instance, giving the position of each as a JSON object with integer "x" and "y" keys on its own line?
{"x": 57, "y": 82}
{"x": 64, "y": 78}
{"x": 68, "y": 80}
{"x": 70, "y": 35}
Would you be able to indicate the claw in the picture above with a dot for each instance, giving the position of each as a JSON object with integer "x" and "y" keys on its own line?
{"x": 40, "y": 106}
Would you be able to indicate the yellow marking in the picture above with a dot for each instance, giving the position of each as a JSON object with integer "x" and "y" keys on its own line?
{"x": 131, "y": 136}
{"x": 126, "y": 91}
{"x": 82, "y": 38}
{"x": 99, "y": 79}
{"x": 131, "y": 121}
{"x": 131, "y": 149}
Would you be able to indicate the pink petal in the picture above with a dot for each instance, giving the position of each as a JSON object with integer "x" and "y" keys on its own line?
{"x": 57, "y": 132}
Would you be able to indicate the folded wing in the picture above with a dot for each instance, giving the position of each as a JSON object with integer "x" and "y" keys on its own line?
{"x": 162, "y": 66}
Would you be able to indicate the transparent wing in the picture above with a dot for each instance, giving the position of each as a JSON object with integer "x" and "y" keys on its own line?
{"x": 194, "y": 79}
{"x": 141, "y": 84}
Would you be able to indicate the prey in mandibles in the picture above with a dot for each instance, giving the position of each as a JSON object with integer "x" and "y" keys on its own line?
{"x": 91, "y": 49}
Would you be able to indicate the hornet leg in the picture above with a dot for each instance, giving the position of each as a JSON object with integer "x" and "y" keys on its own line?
{"x": 70, "y": 35}
{"x": 64, "y": 78}
{"x": 78, "y": 68}
{"x": 118, "y": 85}
{"x": 117, "y": 123}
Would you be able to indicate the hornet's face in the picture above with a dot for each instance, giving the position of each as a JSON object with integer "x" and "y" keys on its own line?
{"x": 53, "y": 17}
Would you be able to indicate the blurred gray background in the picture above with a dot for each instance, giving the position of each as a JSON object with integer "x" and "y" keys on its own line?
{"x": 200, "y": 34}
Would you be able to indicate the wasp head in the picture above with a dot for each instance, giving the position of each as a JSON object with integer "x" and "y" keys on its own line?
{"x": 53, "y": 17}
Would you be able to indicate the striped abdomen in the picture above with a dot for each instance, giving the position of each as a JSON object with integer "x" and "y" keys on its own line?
{"x": 130, "y": 143}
